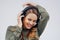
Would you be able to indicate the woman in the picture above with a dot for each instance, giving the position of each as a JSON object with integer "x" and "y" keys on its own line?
{"x": 28, "y": 25}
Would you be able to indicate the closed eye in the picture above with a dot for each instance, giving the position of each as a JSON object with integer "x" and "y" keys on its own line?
{"x": 29, "y": 19}
{"x": 32, "y": 20}
{"x": 35, "y": 21}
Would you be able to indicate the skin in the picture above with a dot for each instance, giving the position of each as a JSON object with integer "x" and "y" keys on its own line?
{"x": 30, "y": 20}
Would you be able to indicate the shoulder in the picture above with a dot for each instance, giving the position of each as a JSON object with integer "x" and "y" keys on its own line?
{"x": 12, "y": 28}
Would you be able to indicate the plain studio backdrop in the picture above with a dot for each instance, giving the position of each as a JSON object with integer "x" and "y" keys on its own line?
{"x": 10, "y": 8}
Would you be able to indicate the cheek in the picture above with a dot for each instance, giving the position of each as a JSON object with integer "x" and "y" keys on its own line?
{"x": 25, "y": 22}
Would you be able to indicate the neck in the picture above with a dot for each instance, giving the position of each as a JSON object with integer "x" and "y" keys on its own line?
{"x": 24, "y": 28}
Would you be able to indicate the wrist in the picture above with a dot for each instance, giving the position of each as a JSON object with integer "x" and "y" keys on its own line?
{"x": 19, "y": 25}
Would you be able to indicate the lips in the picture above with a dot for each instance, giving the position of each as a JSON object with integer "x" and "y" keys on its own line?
{"x": 29, "y": 25}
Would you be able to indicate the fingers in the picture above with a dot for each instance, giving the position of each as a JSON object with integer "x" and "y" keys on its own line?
{"x": 22, "y": 16}
{"x": 29, "y": 3}
{"x": 19, "y": 14}
{"x": 19, "y": 19}
{"x": 25, "y": 4}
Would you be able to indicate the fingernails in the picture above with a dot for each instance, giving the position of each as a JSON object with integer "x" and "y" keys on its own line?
{"x": 22, "y": 16}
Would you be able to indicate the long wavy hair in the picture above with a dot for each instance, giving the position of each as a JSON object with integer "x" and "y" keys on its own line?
{"x": 33, "y": 31}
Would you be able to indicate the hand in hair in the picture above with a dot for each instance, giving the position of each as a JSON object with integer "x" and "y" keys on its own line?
{"x": 29, "y": 4}
{"x": 19, "y": 19}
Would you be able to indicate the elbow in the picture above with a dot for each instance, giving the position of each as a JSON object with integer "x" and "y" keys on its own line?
{"x": 47, "y": 17}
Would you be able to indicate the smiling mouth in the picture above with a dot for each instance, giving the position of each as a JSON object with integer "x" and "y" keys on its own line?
{"x": 29, "y": 25}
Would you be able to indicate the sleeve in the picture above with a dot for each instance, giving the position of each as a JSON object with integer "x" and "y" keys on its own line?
{"x": 9, "y": 34}
{"x": 43, "y": 20}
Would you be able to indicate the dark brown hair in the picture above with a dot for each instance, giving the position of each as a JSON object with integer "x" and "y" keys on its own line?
{"x": 26, "y": 11}
{"x": 31, "y": 9}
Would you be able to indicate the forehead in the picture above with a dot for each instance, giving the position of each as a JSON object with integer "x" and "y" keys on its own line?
{"x": 31, "y": 11}
{"x": 31, "y": 16}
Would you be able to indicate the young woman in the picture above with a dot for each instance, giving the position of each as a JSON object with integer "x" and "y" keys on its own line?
{"x": 30, "y": 24}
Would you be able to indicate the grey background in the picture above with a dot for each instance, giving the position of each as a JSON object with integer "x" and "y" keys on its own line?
{"x": 10, "y": 8}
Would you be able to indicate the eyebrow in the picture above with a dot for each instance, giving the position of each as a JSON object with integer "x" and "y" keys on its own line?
{"x": 30, "y": 18}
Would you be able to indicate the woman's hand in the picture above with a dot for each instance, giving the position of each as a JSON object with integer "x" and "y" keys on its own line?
{"x": 29, "y": 3}
{"x": 19, "y": 19}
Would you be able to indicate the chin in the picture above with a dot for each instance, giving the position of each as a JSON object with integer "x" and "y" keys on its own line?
{"x": 28, "y": 28}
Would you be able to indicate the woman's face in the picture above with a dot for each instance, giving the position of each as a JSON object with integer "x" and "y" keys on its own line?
{"x": 30, "y": 20}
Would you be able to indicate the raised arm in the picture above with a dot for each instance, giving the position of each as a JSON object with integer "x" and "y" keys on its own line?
{"x": 43, "y": 20}
{"x": 44, "y": 17}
